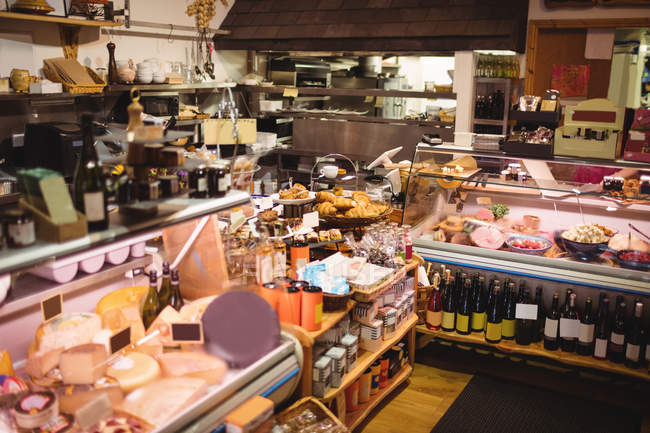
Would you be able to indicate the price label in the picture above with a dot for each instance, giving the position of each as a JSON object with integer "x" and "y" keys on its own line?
{"x": 52, "y": 307}
{"x": 310, "y": 219}
{"x": 290, "y": 92}
{"x": 187, "y": 332}
{"x": 236, "y": 220}
{"x": 279, "y": 209}
{"x": 120, "y": 340}
{"x": 569, "y": 328}
{"x": 266, "y": 203}
{"x": 368, "y": 99}
{"x": 94, "y": 411}
{"x": 526, "y": 311}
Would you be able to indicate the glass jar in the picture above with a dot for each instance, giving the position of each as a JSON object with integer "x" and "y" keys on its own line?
{"x": 218, "y": 180}
{"x": 20, "y": 230}
{"x": 198, "y": 182}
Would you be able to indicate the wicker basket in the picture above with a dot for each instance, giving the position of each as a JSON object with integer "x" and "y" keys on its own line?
{"x": 335, "y": 302}
{"x": 355, "y": 222}
{"x": 447, "y": 117}
{"x": 98, "y": 87}
{"x": 312, "y": 404}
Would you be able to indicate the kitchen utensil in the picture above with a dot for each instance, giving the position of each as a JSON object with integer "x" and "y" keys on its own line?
{"x": 638, "y": 231}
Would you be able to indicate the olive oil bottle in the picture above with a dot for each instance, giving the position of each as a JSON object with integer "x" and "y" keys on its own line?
{"x": 151, "y": 302}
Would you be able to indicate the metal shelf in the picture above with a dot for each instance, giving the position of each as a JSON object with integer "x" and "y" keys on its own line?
{"x": 359, "y": 118}
{"x": 28, "y": 290}
{"x": 57, "y": 20}
{"x": 493, "y": 122}
{"x": 172, "y": 211}
{"x": 112, "y": 88}
{"x": 330, "y": 91}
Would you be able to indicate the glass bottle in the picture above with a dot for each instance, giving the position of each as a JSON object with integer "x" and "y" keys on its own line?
{"x": 586, "y": 331}
{"x": 569, "y": 319}
{"x": 464, "y": 310}
{"x": 616, "y": 346}
{"x": 565, "y": 310}
{"x": 151, "y": 304}
{"x": 633, "y": 340}
{"x": 479, "y": 311}
{"x": 279, "y": 259}
{"x": 525, "y": 327}
{"x": 408, "y": 242}
{"x": 434, "y": 307}
{"x": 602, "y": 329}
{"x": 493, "y": 326}
{"x": 176, "y": 299}
{"x": 264, "y": 259}
{"x": 508, "y": 324}
{"x": 541, "y": 314}
{"x": 551, "y": 328}
{"x": 165, "y": 292}
{"x": 449, "y": 307}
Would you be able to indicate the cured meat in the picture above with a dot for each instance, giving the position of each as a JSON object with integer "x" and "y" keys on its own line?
{"x": 488, "y": 237}
{"x": 485, "y": 215}
{"x": 460, "y": 239}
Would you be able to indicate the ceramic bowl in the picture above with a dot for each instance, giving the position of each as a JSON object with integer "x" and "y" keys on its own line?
{"x": 581, "y": 250}
{"x": 144, "y": 79}
{"x": 537, "y": 251}
{"x": 633, "y": 262}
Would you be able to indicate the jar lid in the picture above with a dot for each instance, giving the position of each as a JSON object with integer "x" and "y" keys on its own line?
{"x": 16, "y": 215}
{"x": 312, "y": 289}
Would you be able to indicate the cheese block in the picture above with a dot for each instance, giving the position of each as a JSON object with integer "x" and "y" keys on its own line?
{"x": 159, "y": 401}
{"x": 152, "y": 348}
{"x": 117, "y": 319}
{"x": 84, "y": 364}
{"x": 163, "y": 322}
{"x": 248, "y": 417}
{"x": 122, "y": 298}
{"x": 103, "y": 337}
{"x": 121, "y": 422}
{"x": 72, "y": 397}
{"x": 134, "y": 370}
{"x": 39, "y": 363}
{"x": 193, "y": 364}
{"x": 67, "y": 330}
{"x": 6, "y": 367}
{"x": 193, "y": 311}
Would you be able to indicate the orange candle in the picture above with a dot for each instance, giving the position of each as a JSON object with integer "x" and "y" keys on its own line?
{"x": 312, "y": 308}
{"x": 299, "y": 258}
{"x": 289, "y": 300}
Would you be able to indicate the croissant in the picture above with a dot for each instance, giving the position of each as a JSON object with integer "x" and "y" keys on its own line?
{"x": 327, "y": 208}
{"x": 355, "y": 212}
{"x": 344, "y": 203}
{"x": 323, "y": 196}
{"x": 298, "y": 187}
{"x": 287, "y": 194}
{"x": 361, "y": 196}
{"x": 302, "y": 194}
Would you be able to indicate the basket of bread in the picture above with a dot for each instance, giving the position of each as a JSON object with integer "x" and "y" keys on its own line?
{"x": 355, "y": 210}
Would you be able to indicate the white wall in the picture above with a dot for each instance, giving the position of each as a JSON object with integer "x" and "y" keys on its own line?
{"x": 16, "y": 52}
{"x": 537, "y": 11}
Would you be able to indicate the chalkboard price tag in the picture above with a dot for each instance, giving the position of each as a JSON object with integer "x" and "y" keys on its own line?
{"x": 52, "y": 307}
{"x": 187, "y": 333}
{"x": 120, "y": 340}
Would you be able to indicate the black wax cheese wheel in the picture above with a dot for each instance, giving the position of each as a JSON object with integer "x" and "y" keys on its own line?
{"x": 240, "y": 327}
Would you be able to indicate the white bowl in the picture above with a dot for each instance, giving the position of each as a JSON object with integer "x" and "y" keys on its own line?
{"x": 159, "y": 80}
{"x": 60, "y": 275}
{"x": 92, "y": 264}
{"x": 137, "y": 250}
{"x": 118, "y": 256}
{"x": 144, "y": 80}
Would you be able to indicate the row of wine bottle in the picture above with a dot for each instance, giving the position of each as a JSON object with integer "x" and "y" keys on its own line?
{"x": 465, "y": 305}
{"x": 169, "y": 294}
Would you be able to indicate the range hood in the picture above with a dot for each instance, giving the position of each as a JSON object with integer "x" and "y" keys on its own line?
{"x": 381, "y": 26}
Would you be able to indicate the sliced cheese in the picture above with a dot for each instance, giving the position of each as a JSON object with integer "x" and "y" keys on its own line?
{"x": 248, "y": 417}
{"x": 67, "y": 330}
{"x": 163, "y": 322}
{"x": 39, "y": 363}
{"x": 193, "y": 311}
{"x": 84, "y": 364}
{"x": 122, "y": 298}
{"x": 134, "y": 370}
{"x": 6, "y": 367}
{"x": 158, "y": 401}
{"x": 72, "y": 397}
{"x": 193, "y": 364}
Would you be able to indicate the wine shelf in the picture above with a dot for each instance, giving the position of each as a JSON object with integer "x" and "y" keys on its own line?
{"x": 537, "y": 350}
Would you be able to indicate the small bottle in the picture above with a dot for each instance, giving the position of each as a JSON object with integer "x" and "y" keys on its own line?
{"x": 564, "y": 310}
{"x": 165, "y": 293}
{"x": 279, "y": 259}
{"x": 633, "y": 340}
{"x": 525, "y": 328}
{"x": 176, "y": 299}
{"x": 264, "y": 259}
{"x": 479, "y": 310}
{"x": 493, "y": 326}
{"x": 434, "y": 307}
{"x": 408, "y": 242}
{"x": 509, "y": 318}
{"x": 602, "y": 329}
{"x": 541, "y": 315}
{"x": 448, "y": 306}
{"x": 551, "y": 328}
{"x": 464, "y": 311}
{"x": 569, "y": 342}
{"x": 151, "y": 304}
{"x": 616, "y": 346}
{"x": 586, "y": 331}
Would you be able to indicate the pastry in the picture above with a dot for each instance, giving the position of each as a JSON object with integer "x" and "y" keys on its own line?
{"x": 343, "y": 203}
{"x": 287, "y": 194}
{"x": 302, "y": 194}
{"x": 268, "y": 216}
{"x": 335, "y": 234}
{"x": 324, "y": 236}
{"x": 361, "y": 197}
{"x": 327, "y": 208}
{"x": 355, "y": 212}
{"x": 323, "y": 196}
{"x": 299, "y": 187}
{"x": 312, "y": 237}
{"x": 299, "y": 239}
{"x": 337, "y": 191}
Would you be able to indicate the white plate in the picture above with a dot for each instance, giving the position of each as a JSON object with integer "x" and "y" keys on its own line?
{"x": 276, "y": 199}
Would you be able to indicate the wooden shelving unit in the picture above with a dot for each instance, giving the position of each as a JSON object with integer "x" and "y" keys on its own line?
{"x": 537, "y": 350}
{"x": 353, "y": 419}
{"x": 56, "y": 20}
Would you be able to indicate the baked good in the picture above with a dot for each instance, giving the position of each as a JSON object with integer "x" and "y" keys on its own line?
{"x": 299, "y": 187}
{"x": 355, "y": 212}
{"x": 302, "y": 194}
{"x": 268, "y": 216}
{"x": 299, "y": 239}
{"x": 287, "y": 194}
{"x": 327, "y": 208}
{"x": 323, "y": 196}
{"x": 343, "y": 203}
{"x": 312, "y": 237}
{"x": 324, "y": 236}
{"x": 361, "y": 197}
{"x": 335, "y": 234}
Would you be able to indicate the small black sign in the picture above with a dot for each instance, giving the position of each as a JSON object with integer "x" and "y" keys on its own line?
{"x": 121, "y": 340}
{"x": 187, "y": 332}
{"x": 52, "y": 307}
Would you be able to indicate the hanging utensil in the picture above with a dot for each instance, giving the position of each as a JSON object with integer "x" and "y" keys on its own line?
{"x": 638, "y": 231}
{"x": 577, "y": 193}
{"x": 209, "y": 66}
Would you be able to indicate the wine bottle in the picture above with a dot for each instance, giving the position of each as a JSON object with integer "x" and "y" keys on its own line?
{"x": 633, "y": 339}
{"x": 509, "y": 318}
{"x": 564, "y": 310}
{"x": 525, "y": 328}
{"x": 464, "y": 310}
{"x": 434, "y": 307}
{"x": 479, "y": 314}
{"x": 541, "y": 315}
{"x": 89, "y": 184}
{"x": 616, "y": 346}
{"x": 176, "y": 300}
{"x": 586, "y": 331}
{"x": 522, "y": 290}
{"x": 493, "y": 326}
{"x": 165, "y": 292}
{"x": 551, "y": 328}
{"x": 602, "y": 329}
{"x": 151, "y": 304}
{"x": 569, "y": 327}
{"x": 448, "y": 322}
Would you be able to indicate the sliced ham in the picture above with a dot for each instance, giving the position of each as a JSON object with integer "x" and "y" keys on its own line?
{"x": 488, "y": 237}
{"x": 485, "y": 215}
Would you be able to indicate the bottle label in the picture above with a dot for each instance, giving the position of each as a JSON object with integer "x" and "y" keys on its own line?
{"x": 550, "y": 328}
{"x": 617, "y": 338}
{"x": 569, "y": 328}
{"x": 632, "y": 352}
{"x": 434, "y": 318}
{"x": 478, "y": 321}
{"x": 508, "y": 328}
{"x": 586, "y": 333}
{"x": 264, "y": 268}
{"x": 493, "y": 331}
{"x": 21, "y": 234}
{"x": 224, "y": 183}
{"x": 94, "y": 206}
{"x": 600, "y": 351}
{"x": 462, "y": 323}
{"x": 202, "y": 184}
{"x": 448, "y": 320}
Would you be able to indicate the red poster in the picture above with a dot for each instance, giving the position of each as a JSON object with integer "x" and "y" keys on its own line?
{"x": 570, "y": 80}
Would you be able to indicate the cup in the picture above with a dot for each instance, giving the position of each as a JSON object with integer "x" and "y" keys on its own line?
{"x": 329, "y": 171}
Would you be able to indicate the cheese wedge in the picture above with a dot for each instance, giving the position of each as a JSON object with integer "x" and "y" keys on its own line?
{"x": 67, "y": 330}
{"x": 134, "y": 370}
{"x": 193, "y": 311}
{"x": 117, "y": 319}
{"x": 84, "y": 364}
{"x": 39, "y": 363}
{"x": 193, "y": 364}
{"x": 122, "y": 298}
{"x": 72, "y": 397}
{"x": 163, "y": 322}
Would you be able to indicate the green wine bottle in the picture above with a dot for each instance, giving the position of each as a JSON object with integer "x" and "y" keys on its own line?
{"x": 165, "y": 293}
{"x": 176, "y": 299}
{"x": 89, "y": 184}
{"x": 151, "y": 302}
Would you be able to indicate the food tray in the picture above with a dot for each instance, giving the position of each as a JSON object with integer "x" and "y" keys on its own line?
{"x": 343, "y": 221}
{"x": 98, "y": 87}
{"x": 313, "y": 405}
{"x": 363, "y": 293}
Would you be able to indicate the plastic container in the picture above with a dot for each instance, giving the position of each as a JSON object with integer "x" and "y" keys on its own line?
{"x": 92, "y": 264}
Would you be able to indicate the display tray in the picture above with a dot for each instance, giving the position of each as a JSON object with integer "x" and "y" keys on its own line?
{"x": 276, "y": 199}
{"x": 347, "y": 222}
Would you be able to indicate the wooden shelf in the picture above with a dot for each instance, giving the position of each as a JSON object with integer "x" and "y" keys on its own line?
{"x": 492, "y": 122}
{"x": 365, "y": 358}
{"x": 537, "y": 350}
{"x": 357, "y": 118}
{"x": 57, "y": 20}
{"x": 15, "y": 96}
{"x": 210, "y": 85}
{"x": 330, "y": 91}
{"x": 329, "y": 320}
{"x": 352, "y": 420}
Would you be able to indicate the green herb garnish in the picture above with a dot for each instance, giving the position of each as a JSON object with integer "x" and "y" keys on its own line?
{"x": 499, "y": 210}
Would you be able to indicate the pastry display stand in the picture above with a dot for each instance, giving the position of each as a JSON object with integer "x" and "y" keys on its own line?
{"x": 344, "y": 179}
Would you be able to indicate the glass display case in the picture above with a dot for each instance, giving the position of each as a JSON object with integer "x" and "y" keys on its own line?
{"x": 563, "y": 219}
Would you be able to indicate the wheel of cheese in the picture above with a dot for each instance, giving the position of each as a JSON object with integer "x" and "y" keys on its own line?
{"x": 240, "y": 327}
{"x": 134, "y": 370}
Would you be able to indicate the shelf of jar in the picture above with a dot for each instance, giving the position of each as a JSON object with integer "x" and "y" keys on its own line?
{"x": 329, "y": 320}
{"x": 536, "y": 349}
{"x": 353, "y": 419}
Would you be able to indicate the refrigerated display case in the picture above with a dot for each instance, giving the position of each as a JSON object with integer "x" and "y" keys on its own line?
{"x": 567, "y": 220}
